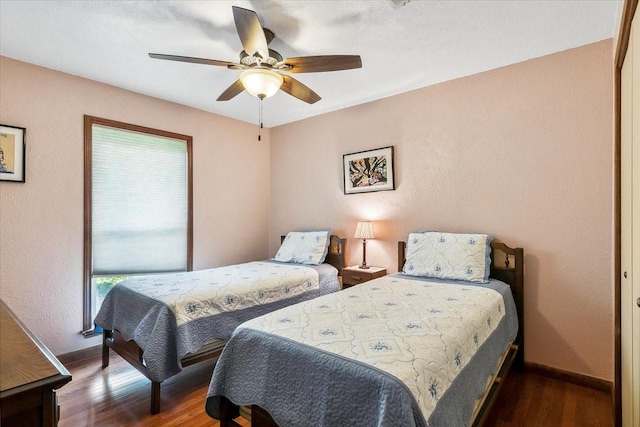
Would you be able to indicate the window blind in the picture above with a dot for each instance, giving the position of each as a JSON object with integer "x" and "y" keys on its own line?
{"x": 139, "y": 202}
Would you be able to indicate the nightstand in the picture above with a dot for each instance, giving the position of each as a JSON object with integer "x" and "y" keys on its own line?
{"x": 355, "y": 275}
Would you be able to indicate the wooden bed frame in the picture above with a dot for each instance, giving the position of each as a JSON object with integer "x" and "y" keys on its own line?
{"x": 132, "y": 353}
{"x": 507, "y": 265}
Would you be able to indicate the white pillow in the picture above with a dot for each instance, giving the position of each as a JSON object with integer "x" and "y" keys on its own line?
{"x": 449, "y": 256}
{"x": 304, "y": 247}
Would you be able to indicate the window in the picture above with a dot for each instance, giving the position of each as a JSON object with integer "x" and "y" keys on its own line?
{"x": 137, "y": 207}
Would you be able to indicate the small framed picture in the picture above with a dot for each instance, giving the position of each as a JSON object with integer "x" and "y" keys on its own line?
{"x": 12, "y": 153}
{"x": 368, "y": 171}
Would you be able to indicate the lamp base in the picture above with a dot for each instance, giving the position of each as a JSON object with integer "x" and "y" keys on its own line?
{"x": 364, "y": 265}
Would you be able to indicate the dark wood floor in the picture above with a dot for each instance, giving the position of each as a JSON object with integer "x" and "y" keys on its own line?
{"x": 537, "y": 401}
{"x": 119, "y": 396}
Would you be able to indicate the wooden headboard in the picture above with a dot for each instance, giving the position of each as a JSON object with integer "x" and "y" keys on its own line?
{"x": 507, "y": 265}
{"x": 337, "y": 254}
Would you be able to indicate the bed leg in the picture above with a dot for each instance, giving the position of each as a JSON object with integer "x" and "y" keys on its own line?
{"x": 226, "y": 411}
{"x": 518, "y": 364}
{"x": 105, "y": 349}
{"x": 155, "y": 397}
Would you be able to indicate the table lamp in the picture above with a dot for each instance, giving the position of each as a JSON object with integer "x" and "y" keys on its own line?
{"x": 364, "y": 231}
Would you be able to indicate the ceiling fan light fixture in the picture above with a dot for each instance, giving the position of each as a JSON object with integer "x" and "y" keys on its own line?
{"x": 262, "y": 77}
{"x": 260, "y": 82}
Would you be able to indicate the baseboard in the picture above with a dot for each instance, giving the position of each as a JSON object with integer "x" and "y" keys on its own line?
{"x": 570, "y": 377}
{"x": 80, "y": 355}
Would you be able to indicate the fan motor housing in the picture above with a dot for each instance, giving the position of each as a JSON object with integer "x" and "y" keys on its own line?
{"x": 252, "y": 60}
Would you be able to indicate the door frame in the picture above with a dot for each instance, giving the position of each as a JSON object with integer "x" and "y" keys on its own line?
{"x": 628, "y": 13}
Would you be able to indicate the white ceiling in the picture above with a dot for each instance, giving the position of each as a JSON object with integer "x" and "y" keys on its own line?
{"x": 404, "y": 44}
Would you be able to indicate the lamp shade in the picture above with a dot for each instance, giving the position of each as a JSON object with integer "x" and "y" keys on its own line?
{"x": 261, "y": 83}
{"x": 364, "y": 230}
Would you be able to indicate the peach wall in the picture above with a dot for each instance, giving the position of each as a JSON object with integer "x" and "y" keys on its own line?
{"x": 41, "y": 231}
{"x": 523, "y": 152}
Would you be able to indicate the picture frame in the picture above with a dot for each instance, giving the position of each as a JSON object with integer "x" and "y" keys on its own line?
{"x": 369, "y": 171}
{"x": 12, "y": 153}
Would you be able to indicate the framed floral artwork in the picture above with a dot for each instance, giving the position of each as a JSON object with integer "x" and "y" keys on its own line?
{"x": 368, "y": 171}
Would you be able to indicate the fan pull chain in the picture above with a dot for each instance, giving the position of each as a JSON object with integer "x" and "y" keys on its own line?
{"x": 260, "y": 119}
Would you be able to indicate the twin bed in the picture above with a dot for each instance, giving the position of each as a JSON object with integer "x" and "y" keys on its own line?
{"x": 425, "y": 347}
{"x": 162, "y": 323}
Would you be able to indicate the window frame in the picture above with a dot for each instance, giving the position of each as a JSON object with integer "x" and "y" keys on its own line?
{"x": 89, "y": 121}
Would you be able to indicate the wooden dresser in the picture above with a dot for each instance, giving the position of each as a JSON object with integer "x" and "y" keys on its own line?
{"x": 29, "y": 376}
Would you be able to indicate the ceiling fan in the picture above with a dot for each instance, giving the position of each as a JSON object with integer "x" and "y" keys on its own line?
{"x": 265, "y": 69}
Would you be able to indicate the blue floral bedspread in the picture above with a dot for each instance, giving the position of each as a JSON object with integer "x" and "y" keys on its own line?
{"x": 194, "y": 294}
{"x": 394, "y": 351}
{"x": 171, "y": 315}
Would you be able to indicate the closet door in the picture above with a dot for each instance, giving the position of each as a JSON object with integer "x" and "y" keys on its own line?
{"x": 635, "y": 299}
{"x": 630, "y": 232}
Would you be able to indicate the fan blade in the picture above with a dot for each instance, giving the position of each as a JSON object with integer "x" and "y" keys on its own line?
{"x": 193, "y": 60}
{"x": 296, "y": 89}
{"x": 250, "y": 32}
{"x": 231, "y": 91}
{"x": 321, "y": 63}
